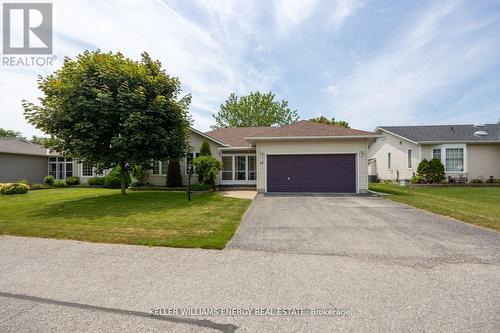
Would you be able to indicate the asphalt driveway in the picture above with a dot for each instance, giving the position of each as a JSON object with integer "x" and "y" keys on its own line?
{"x": 362, "y": 227}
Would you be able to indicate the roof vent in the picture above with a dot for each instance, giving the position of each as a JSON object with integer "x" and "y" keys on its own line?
{"x": 480, "y": 133}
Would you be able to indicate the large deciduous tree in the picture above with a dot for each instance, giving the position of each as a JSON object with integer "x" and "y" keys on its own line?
{"x": 108, "y": 110}
{"x": 6, "y": 133}
{"x": 255, "y": 109}
{"x": 325, "y": 120}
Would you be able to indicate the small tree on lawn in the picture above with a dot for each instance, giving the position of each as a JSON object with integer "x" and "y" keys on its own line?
{"x": 174, "y": 178}
{"x": 107, "y": 110}
{"x": 209, "y": 167}
{"x": 204, "y": 151}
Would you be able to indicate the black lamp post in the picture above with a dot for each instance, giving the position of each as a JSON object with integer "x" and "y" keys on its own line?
{"x": 190, "y": 173}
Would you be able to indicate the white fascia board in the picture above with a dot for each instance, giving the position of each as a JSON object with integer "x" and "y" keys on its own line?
{"x": 208, "y": 137}
{"x": 318, "y": 137}
{"x": 399, "y": 136}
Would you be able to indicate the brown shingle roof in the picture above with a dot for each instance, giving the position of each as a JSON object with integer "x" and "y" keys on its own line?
{"x": 307, "y": 128}
{"x": 21, "y": 146}
{"x": 235, "y": 136}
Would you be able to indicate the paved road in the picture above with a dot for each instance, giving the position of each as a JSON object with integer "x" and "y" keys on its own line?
{"x": 57, "y": 285}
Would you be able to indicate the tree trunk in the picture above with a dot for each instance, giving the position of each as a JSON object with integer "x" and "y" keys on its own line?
{"x": 123, "y": 177}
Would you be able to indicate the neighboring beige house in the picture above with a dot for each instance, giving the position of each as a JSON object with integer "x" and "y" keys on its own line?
{"x": 20, "y": 159}
{"x": 302, "y": 157}
{"x": 469, "y": 151}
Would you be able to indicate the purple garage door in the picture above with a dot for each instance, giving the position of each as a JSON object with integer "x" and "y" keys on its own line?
{"x": 311, "y": 173}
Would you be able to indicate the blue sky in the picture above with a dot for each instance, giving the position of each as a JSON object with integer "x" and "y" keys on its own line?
{"x": 367, "y": 62}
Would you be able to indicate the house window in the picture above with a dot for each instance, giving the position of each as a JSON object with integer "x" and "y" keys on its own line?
{"x": 239, "y": 168}
{"x": 408, "y": 162}
{"x": 251, "y": 168}
{"x": 87, "y": 170}
{"x": 156, "y": 168}
{"x": 454, "y": 159}
{"x": 389, "y": 161}
{"x": 227, "y": 168}
{"x": 436, "y": 153}
{"x": 159, "y": 168}
{"x": 60, "y": 167}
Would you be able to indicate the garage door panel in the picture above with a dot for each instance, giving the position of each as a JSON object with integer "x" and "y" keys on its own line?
{"x": 311, "y": 173}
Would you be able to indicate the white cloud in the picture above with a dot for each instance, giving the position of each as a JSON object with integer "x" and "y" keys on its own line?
{"x": 426, "y": 60}
{"x": 209, "y": 60}
{"x": 344, "y": 9}
{"x": 291, "y": 13}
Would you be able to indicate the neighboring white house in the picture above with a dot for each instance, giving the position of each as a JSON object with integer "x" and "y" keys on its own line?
{"x": 469, "y": 151}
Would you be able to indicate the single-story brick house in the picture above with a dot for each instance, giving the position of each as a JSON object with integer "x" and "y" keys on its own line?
{"x": 301, "y": 157}
{"x": 469, "y": 151}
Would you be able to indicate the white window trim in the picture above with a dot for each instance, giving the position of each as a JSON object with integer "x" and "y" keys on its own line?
{"x": 233, "y": 180}
{"x": 162, "y": 173}
{"x": 58, "y": 164}
{"x": 440, "y": 153}
{"x": 94, "y": 172}
{"x": 443, "y": 148}
{"x": 409, "y": 159}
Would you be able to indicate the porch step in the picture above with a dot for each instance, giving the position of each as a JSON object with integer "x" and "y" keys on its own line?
{"x": 236, "y": 187}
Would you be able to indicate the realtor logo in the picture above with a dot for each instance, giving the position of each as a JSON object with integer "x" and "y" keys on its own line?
{"x": 27, "y": 28}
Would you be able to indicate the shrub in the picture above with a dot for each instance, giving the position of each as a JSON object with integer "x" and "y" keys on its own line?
{"x": 73, "y": 181}
{"x": 209, "y": 167}
{"x": 38, "y": 186}
{"x": 174, "y": 178}
{"x": 112, "y": 182}
{"x": 200, "y": 187}
{"x": 14, "y": 188}
{"x": 417, "y": 180}
{"x": 23, "y": 181}
{"x": 423, "y": 169}
{"x": 431, "y": 171}
{"x": 113, "y": 179}
{"x": 49, "y": 180}
{"x": 490, "y": 180}
{"x": 96, "y": 181}
{"x": 436, "y": 171}
{"x": 497, "y": 180}
{"x": 205, "y": 149}
{"x": 478, "y": 180}
{"x": 140, "y": 173}
{"x": 60, "y": 183}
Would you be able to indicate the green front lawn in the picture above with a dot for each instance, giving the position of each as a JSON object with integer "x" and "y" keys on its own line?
{"x": 103, "y": 215}
{"x": 475, "y": 205}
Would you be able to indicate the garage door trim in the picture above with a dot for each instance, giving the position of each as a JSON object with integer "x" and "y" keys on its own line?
{"x": 356, "y": 162}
